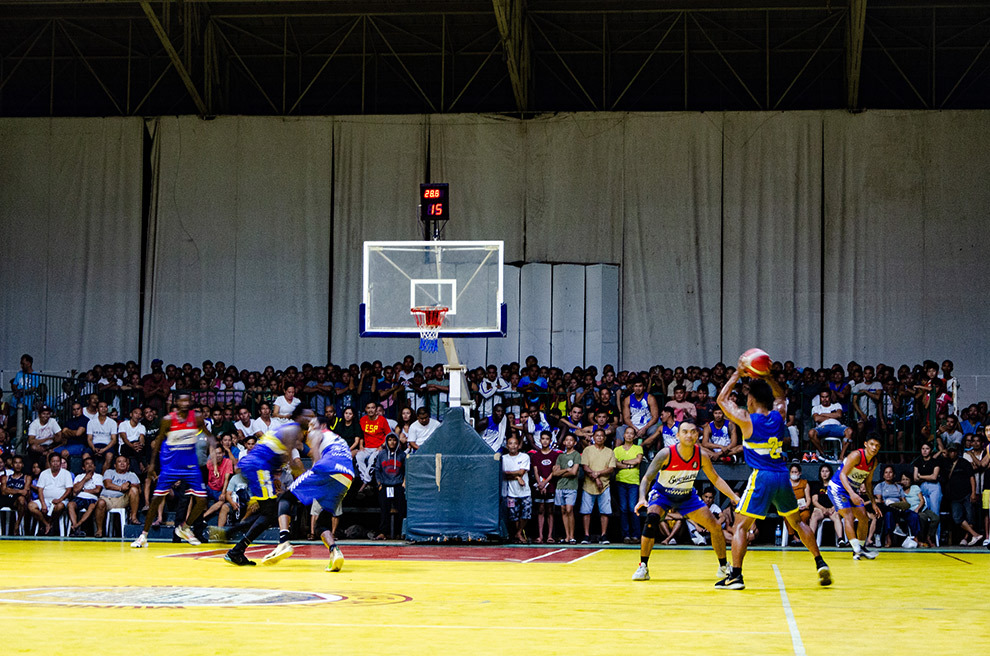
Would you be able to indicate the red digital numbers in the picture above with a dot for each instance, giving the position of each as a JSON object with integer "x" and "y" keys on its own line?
{"x": 431, "y": 193}
{"x": 436, "y": 209}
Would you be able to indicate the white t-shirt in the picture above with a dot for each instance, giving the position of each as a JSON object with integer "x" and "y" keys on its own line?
{"x": 44, "y": 434}
{"x": 865, "y": 403}
{"x": 54, "y": 486}
{"x": 132, "y": 434}
{"x": 418, "y": 433}
{"x": 93, "y": 483}
{"x": 512, "y": 487}
{"x": 259, "y": 426}
{"x": 90, "y": 415}
{"x": 818, "y": 409}
{"x": 102, "y": 433}
{"x": 248, "y": 430}
{"x": 118, "y": 479}
{"x": 285, "y": 407}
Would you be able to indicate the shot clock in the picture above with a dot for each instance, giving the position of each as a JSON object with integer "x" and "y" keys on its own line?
{"x": 434, "y": 208}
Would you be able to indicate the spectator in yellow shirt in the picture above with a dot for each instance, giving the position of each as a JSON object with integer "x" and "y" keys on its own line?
{"x": 628, "y": 457}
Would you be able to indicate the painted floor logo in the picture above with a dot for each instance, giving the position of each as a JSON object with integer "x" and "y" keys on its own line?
{"x": 185, "y": 597}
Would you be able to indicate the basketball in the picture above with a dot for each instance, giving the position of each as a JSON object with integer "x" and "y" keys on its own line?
{"x": 755, "y": 362}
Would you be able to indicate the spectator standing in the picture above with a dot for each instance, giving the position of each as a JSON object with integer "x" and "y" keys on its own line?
{"x": 640, "y": 411}
{"x": 628, "y": 457}
{"x": 390, "y": 476}
{"x": 25, "y": 385}
{"x": 544, "y": 485}
{"x": 565, "y": 471}
{"x": 320, "y": 391}
{"x": 961, "y": 493}
{"x": 156, "y": 387}
{"x": 493, "y": 428}
{"x": 533, "y": 386}
{"x": 598, "y": 463}
{"x": 518, "y": 499}
{"x": 684, "y": 410}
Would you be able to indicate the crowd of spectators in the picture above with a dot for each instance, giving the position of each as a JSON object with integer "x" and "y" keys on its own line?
{"x": 572, "y": 442}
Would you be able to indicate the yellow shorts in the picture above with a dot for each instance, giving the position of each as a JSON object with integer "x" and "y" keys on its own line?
{"x": 986, "y": 499}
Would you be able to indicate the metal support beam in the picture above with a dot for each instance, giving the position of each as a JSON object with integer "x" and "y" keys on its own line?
{"x": 174, "y": 56}
{"x": 854, "y": 51}
{"x": 513, "y": 26}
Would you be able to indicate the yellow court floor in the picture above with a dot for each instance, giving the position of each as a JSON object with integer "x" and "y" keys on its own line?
{"x": 61, "y": 597}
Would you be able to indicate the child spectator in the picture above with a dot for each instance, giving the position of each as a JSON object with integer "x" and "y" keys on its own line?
{"x": 390, "y": 474}
{"x": 518, "y": 500}
{"x": 565, "y": 470}
{"x": 544, "y": 485}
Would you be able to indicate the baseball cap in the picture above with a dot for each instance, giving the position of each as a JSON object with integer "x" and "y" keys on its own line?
{"x": 156, "y": 363}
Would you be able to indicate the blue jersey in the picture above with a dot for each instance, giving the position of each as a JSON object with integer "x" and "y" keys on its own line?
{"x": 764, "y": 448}
{"x": 670, "y": 435}
{"x": 267, "y": 455}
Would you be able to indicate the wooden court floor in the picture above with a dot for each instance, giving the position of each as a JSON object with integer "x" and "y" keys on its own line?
{"x": 61, "y": 597}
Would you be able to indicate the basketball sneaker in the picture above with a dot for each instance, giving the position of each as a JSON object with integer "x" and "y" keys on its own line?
{"x": 281, "y": 552}
{"x": 237, "y": 558}
{"x": 642, "y": 573}
{"x": 724, "y": 571}
{"x": 141, "y": 542}
{"x": 336, "y": 560}
{"x": 731, "y": 583}
{"x": 186, "y": 533}
{"x": 824, "y": 575}
{"x": 217, "y": 534}
{"x": 865, "y": 552}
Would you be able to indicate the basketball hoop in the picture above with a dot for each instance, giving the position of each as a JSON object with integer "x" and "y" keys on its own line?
{"x": 429, "y": 318}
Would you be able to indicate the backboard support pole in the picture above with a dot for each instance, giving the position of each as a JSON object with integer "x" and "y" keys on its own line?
{"x": 458, "y": 396}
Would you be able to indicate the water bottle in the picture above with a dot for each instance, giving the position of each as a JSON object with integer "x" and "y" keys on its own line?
{"x": 777, "y": 534}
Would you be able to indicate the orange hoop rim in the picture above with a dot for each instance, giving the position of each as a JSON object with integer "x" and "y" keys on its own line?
{"x": 429, "y": 316}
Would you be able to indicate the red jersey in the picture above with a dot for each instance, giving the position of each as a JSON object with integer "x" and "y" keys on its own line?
{"x": 374, "y": 431}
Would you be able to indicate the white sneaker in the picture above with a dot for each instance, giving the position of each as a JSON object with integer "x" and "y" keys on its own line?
{"x": 336, "y": 560}
{"x": 141, "y": 542}
{"x": 281, "y": 552}
{"x": 899, "y": 531}
{"x": 974, "y": 541}
{"x": 186, "y": 533}
{"x": 697, "y": 538}
{"x": 724, "y": 571}
{"x": 986, "y": 542}
{"x": 642, "y": 573}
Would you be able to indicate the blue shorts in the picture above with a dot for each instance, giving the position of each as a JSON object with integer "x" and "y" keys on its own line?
{"x": 839, "y": 497}
{"x": 683, "y": 505}
{"x": 260, "y": 484}
{"x": 832, "y": 430}
{"x": 321, "y": 484}
{"x": 765, "y": 488}
{"x": 191, "y": 476}
{"x": 565, "y": 497}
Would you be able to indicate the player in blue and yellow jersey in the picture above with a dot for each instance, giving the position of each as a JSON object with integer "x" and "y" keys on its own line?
{"x": 176, "y": 446}
{"x": 260, "y": 467}
{"x": 843, "y": 491}
{"x": 669, "y": 486}
{"x": 764, "y": 433}
{"x": 327, "y": 482}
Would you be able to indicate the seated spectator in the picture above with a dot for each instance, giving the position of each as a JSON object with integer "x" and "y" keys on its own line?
{"x": 598, "y": 463}
{"x": 101, "y": 436}
{"x": 15, "y": 491}
{"x": 493, "y": 428}
{"x": 708, "y": 498}
{"x": 121, "y": 489}
{"x": 54, "y": 488}
{"x": 131, "y": 437}
{"x": 349, "y": 429}
{"x": 628, "y": 457}
{"x": 86, "y": 489}
{"x": 915, "y": 506}
{"x": 565, "y": 471}
{"x": 574, "y": 422}
{"x": 822, "y": 507}
{"x": 421, "y": 429}
{"x": 684, "y": 410}
{"x": 219, "y": 470}
{"x": 518, "y": 499}
{"x": 544, "y": 485}
{"x": 949, "y": 433}
{"x": 828, "y": 423}
{"x": 704, "y": 406}
{"x": 602, "y": 422}
{"x": 720, "y": 438}
{"x": 890, "y": 498}
{"x": 244, "y": 425}
{"x": 960, "y": 490}
{"x": 44, "y": 434}
{"x": 374, "y": 428}
{"x": 390, "y": 476}
{"x": 802, "y": 492}
{"x": 640, "y": 411}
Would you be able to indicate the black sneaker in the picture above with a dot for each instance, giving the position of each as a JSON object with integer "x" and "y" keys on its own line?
{"x": 731, "y": 583}
{"x": 237, "y": 558}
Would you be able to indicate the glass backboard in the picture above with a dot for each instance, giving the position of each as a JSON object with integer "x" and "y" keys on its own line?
{"x": 463, "y": 276}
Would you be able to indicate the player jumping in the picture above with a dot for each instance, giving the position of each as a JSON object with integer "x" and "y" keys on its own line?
{"x": 669, "y": 481}
{"x": 764, "y": 434}
{"x": 857, "y": 469}
{"x": 259, "y": 467}
{"x": 176, "y": 442}
{"x": 327, "y": 482}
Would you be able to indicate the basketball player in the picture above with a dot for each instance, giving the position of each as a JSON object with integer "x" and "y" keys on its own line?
{"x": 176, "y": 442}
{"x": 857, "y": 469}
{"x": 669, "y": 486}
{"x": 764, "y": 434}
{"x": 260, "y": 467}
{"x": 327, "y": 482}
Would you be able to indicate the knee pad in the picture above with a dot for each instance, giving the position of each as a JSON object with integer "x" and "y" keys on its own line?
{"x": 652, "y": 530}
{"x": 287, "y": 504}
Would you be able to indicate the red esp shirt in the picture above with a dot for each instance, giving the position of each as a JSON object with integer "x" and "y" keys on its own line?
{"x": 374, "y": 431}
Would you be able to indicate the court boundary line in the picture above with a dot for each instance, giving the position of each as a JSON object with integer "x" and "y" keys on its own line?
{"x": 549, "y": 553}
{"x": 789, "y": 614}
{"x": 955, "y": 558}
{"x": 587, "y": 555}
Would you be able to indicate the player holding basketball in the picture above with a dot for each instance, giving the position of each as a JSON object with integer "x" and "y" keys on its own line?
{"x": 176, "y": 442}
{"x": 327, "y": 482}
{"x": 669, "y": 484}
{"x": 260, "y": 467}
{"x": 764, "y": 434}
{"x": 857, "y": 469}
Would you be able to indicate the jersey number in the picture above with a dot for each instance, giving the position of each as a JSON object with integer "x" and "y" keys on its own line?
{"x": 776, "y": 448}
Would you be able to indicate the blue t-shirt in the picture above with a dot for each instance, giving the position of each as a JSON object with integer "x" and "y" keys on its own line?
{"x": 539, "y": 381}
